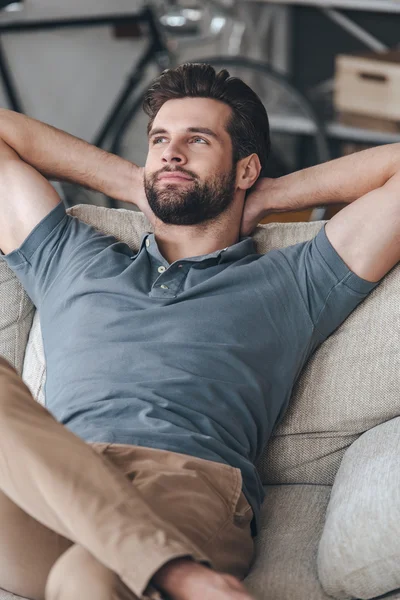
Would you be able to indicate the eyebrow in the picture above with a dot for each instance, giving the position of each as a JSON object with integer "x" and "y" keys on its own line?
{"x": 204, "y": 130}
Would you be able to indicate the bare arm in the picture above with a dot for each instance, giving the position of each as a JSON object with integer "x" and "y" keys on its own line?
{"x": 342, "y": 180}
{"x": 26, "y": 197}
{"x": 366, "y": 234}
{"x": 60, "y": 156}
{"x": 32, "y": 152}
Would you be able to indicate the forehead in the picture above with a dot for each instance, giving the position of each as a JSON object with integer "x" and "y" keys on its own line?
{"x": 181, "y": 113}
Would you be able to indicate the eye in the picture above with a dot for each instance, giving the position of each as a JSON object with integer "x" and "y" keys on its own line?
{"x": 199, "y": 139}
{"x": 157, "y": 139}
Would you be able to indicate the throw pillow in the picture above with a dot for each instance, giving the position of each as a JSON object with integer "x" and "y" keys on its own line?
{"x": 359, "y": 550}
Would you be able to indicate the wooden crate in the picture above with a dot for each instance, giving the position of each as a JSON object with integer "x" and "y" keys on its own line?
{"x": 368, "y": 84}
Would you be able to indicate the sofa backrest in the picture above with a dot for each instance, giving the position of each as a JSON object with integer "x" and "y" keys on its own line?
{"x": 16, "y": 315}
{"x": 349, "y": 385}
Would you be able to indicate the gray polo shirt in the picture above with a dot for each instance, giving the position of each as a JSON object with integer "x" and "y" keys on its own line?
{"x": 198, "y": 356}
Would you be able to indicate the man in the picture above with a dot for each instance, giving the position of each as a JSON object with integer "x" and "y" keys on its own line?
{"x": 167, "y": 369}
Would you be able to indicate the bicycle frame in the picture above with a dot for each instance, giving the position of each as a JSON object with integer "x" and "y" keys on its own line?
{"x": 156, "y": 51}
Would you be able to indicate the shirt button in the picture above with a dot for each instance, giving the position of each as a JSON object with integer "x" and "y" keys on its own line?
{"x": 164, "y": 287}
{"x": 147, "y": 243}
{"x": 161, "y": 269}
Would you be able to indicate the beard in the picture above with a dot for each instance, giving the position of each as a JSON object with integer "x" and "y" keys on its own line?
{"x": 192, "y": 203}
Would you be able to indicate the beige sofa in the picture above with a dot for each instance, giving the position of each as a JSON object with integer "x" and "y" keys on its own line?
{"x": 349, "y": 386}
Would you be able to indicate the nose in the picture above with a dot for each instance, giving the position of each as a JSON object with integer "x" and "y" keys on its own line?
{"x": 174, "y": 154}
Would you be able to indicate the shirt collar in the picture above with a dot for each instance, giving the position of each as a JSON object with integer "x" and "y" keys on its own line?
{"x": 242, "y": 248}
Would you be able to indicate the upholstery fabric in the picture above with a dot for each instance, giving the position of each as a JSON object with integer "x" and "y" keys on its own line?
{"x": 286, "y": 547}
{"x": 359, "y": 552}
{"x": 9, "y": 596}
{"x": 34, "y": 373}
{"x": 16, "y": 314}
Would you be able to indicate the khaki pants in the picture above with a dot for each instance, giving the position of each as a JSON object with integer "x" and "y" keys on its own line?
{"x": 96, "y": 521}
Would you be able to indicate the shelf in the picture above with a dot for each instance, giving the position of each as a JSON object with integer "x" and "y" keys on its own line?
{"x": 46, "y": 12}
{"x": 303, "y": 126}
{"x": 387, "y": 6}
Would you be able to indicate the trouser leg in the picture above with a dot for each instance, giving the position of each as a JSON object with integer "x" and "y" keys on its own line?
{"x": 37, "y": 563}
{"x": 28, "y": 551}
{"x": 59, "y": 480}
{"x": 77, "y": 574}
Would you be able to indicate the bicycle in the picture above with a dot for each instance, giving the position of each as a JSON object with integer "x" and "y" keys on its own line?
{"x": 170, "y": 25}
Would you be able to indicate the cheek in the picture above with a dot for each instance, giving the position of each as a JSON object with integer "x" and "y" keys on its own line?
{"x": 149, "y": 161}
{"x": 154, "y": 161}
{"x": 150, "y": 169}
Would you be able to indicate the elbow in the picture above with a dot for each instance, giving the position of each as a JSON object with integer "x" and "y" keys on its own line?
{"x": 7, "y": 153}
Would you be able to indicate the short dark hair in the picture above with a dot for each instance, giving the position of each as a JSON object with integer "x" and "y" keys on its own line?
{"x": 248, "y": 126}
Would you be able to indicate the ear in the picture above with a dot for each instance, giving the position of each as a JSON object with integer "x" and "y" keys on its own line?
{"x": 248, "y": 171}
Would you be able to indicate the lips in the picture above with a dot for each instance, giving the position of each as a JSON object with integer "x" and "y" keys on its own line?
{"x": 174, "y": 175}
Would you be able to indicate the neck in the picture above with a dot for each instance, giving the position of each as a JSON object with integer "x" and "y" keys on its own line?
{"x": 176, "y": 242}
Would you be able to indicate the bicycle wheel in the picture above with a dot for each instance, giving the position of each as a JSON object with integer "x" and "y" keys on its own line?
{"x": 292, "y": 120}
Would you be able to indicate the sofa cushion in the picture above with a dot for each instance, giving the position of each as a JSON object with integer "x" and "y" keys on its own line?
{"x": 340, "y": 393}
{"x": 9, "y": 596}
{"x": 359, "y": 551}
{"x": 284, "y": 567}
{"x": 16, "y": 314}
{"x": 34, "y": 371}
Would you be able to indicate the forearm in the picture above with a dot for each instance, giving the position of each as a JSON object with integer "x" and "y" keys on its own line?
{"x": 60, "y": 156}
{"x": 342, "y": 180}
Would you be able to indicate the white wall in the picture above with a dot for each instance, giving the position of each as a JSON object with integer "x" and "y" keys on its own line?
{"x": 69, "y": 77}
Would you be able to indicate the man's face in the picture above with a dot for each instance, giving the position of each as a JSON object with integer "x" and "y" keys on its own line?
{"x": 189, "y": 175}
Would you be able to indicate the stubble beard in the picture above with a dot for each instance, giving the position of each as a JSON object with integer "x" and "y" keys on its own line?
{"x": 192, "y": 203}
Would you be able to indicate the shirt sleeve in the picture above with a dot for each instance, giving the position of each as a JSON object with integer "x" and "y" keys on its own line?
{"x": 57, "y": 250}
{"x": 329, "y": 289}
